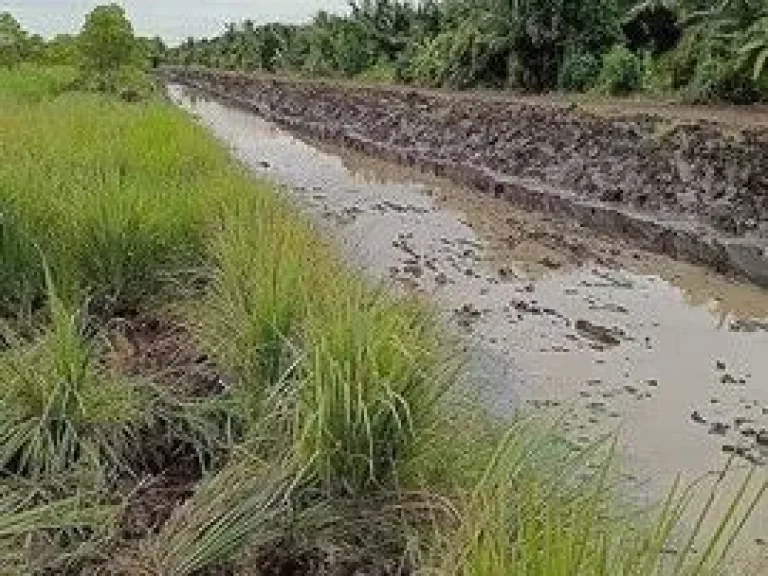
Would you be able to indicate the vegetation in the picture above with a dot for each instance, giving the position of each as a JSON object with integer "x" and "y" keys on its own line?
{"x": 328, "y": 428}
{"x": 700, "y": 50}
{"x": 105, "y": 57}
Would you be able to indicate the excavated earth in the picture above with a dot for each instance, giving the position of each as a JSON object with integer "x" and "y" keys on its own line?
{"x": 692, "y": 190}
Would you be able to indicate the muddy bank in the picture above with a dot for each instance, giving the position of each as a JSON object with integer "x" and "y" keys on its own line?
{"x": 690, "y": 191}
{"x": 669, "y": 354}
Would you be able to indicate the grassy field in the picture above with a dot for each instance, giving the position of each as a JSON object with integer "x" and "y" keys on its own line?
{"x": 191, "y": 380}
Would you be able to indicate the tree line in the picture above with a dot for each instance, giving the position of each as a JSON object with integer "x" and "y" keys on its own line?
{"x": 106, "y": 54}
{"x": 697, "y": 49}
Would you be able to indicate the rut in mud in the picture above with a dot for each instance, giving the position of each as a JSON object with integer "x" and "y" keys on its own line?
{"x": 693, "y": 191}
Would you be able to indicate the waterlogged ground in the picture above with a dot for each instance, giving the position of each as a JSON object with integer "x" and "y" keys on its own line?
{"x": 673, "y": 357}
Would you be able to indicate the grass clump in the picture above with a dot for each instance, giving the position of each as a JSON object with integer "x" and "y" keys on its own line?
{"x": 365, "y": 367}
{"x": 36, "y": 534}
{"x": 57, "y": 406}
{"x": 532, "y": 506}
{"x": 371, "y": 380}
{"x": 263, "y": 265}
{"x": 251, "y": 503}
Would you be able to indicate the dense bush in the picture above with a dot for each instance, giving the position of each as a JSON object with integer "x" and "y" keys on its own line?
{"x": 701, "y": 51}
{"x": 622, "y": 72}
{"x": 580, "y": 72}
{"x": 697, "y": 50}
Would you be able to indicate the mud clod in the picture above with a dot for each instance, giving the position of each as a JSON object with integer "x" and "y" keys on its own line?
{"x": 601, "y": 334}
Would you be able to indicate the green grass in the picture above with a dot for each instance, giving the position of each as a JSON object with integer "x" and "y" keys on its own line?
{"x": 29, "y": 83}
{"x": 57, "y": 406}
{"x": 115, "y": 198}
{"x": 366, "y": 365}
{"x": 29, "y": 530}
{"x": 335, "y": 431}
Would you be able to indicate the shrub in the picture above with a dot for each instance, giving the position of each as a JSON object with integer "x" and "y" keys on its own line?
{"x": 13, "y": 41}
{"x": 580, "y": 72}
{"x": 718, "y": 80}
{"x": 622, "y": 71}
{"x": 130, "y": 83}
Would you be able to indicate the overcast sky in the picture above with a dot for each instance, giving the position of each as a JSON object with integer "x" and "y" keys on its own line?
{"x": 174, "y": 20}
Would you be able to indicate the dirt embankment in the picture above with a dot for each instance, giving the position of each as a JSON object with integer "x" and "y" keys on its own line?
{"x": 697, "y": 191}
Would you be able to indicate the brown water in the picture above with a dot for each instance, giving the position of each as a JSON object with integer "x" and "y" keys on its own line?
{"x": 671, "y": 355}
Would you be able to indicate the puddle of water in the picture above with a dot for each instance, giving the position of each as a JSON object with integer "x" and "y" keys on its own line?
{"x": 669, "y": 354}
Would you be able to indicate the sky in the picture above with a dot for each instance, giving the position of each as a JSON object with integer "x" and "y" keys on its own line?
{"x": 173, "y": 20}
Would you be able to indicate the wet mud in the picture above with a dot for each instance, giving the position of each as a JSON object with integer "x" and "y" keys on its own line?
{"x": 553, "y": 315}
{"x": 691, "y": 190}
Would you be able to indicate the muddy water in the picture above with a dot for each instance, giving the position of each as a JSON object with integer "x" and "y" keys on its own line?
{"x": 672, "y": 356}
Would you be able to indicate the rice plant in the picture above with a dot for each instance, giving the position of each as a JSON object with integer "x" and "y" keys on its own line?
{"x": 366, "y": 365}
{"x": 115, "y": 198}
{"x": 263, "y": 277}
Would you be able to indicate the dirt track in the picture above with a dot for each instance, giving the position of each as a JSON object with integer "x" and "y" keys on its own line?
{"x": 693, "y": 190}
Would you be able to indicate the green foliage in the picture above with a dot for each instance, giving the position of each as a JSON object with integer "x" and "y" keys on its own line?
{"x": 14, "y": 43}
{"x": 62, "y": 50}
{"x": 700, "y": 49}
{"x": 128, "y": 82}
{"x": 754, "y": 51}
{"x": 111, "y": 57}
{"x": 580, "y": 72}
{"x": 721, "y": 80}
{"x": 622, "y": 72}
{"x": 544, "y": 29}
{"x": 106, "y": 41}
{"x": 721, "y": 52}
